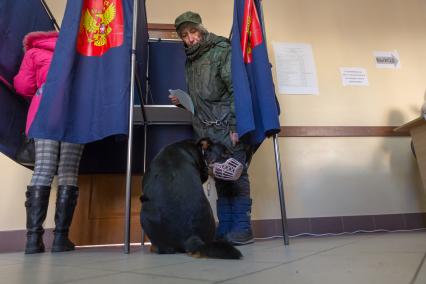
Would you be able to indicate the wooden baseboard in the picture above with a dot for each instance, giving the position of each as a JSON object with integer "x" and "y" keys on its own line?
{"x": 340, "y": 131}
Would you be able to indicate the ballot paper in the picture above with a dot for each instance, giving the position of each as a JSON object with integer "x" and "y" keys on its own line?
{"x": 184, "y": 99}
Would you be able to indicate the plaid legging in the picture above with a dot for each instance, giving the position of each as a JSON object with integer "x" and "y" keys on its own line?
{"x": 54, "y": 155}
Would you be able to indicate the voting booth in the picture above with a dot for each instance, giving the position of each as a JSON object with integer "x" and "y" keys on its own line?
{"x": 153, "y": 121}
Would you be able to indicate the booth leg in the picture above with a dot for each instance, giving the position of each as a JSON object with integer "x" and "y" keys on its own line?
{"x": 281, "y": 190}
{"x": 130, "y": 138}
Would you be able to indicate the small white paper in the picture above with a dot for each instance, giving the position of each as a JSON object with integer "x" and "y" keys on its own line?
{"x": 184, "y": 99}
{"x": 387, "y": 59}
{"x": 295, "y": 67}
{"x": 354, "y": 76}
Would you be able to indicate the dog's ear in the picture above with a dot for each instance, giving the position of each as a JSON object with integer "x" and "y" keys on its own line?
{"x": 204, "y": 143}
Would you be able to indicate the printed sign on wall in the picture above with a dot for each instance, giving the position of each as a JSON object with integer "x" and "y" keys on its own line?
{"x": 354, "y": 76}
{"x": 387, "y": 59}
{"x": 296, "y": 71}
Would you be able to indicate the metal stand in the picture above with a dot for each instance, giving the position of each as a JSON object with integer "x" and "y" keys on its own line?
{"x": 277, "y": 161}
{"x": 281, "y": 190}
{"x": 50, "y": 14}
{"x": 130, "y": 138}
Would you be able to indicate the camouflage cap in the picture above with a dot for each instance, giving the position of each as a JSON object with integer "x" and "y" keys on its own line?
{"x": 188, "y": 16}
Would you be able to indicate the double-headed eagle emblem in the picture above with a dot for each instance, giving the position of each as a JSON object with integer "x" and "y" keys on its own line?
{"x": 97, "y": 24}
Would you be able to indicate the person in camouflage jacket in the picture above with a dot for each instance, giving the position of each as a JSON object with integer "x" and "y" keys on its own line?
{"x": 209, "y": 81}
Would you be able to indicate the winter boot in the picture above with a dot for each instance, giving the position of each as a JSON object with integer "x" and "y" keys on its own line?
{"x": 224, "y": 214}
{"x": 241, "y": 233}
{"x": 36, "y": 206}
{"x": 65, "y": 204}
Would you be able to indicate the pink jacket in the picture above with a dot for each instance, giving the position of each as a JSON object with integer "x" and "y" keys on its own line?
{"x": 38, "y": 47}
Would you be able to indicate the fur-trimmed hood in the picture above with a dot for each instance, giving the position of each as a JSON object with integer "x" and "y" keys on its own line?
{"x": 43, "y": 40}
{"x": 39, "y": 48}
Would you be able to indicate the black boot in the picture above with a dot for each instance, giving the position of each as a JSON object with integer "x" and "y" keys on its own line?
{"x": 36, "y": 205}
{"x": 65, "y": 204}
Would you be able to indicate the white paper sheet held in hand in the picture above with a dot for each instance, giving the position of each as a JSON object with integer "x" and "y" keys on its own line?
{"x": 184, "y": 99}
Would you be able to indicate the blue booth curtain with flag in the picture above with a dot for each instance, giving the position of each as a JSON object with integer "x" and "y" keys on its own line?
{"x": 256, "y": 107}
{"x": 86, "y": 94}
{"x": 17, "y": 18}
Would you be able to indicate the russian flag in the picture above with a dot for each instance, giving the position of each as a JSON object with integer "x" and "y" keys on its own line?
{"x": 86, "y": 94}
{"x": 256, "y": 107}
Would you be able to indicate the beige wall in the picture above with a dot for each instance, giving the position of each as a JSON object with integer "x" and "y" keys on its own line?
{"x": 14, "y": 179}
{"x": 322, "y": 176}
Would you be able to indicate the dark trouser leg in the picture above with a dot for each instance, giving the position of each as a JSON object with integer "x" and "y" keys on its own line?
{"x": 70, "y": 155}
{"x": 238, "y": 194}
{"x": 36, "y": 206}
{"x": 224, "y": 215}
{"x": 241, "y": 232}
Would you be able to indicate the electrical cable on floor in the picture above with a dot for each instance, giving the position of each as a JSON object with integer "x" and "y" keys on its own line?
{"x": 343, "y": 233}
{"x": 280, "y": 237}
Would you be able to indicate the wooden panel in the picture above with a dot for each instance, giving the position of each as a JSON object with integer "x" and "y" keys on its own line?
{"x": 340, "y": 131}
{"x": 163, "y": 31}
{"x": 99, "y": 216}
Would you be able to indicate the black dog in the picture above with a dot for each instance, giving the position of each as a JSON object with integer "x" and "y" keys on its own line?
{"x": 176, "y": 214}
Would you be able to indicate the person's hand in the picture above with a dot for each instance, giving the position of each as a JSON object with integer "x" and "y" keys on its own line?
{"x": 174, "y": 100}
{"x": 234, "y": 137}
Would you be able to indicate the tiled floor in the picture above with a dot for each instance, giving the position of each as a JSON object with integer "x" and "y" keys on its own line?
{"x": 377, "y": 258}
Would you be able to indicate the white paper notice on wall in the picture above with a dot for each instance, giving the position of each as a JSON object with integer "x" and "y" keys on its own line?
{"x": 387, "y": 59}
{"x": 295, "y": 67}
{"x": 354, "y": 76}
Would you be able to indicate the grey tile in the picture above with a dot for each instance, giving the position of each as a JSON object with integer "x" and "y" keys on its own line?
{"x": 348, "y": 269}
{"x": 276, "y": 255}
{"x": 386, "y": 243}
{"x": 136, "y": 261}
{"x": 421, "y": 275}
{"x": 361, "y": 258}
{"x": 299, "y": 248}
{"x": 12, "y": 255}
{"x": 34, "y": 273}
{"x": 79, "y": 257}
{"x": 208, "y": 269}
{"x": 133, "y": 278}
{"x": 263, "y": 243}
{"x": 317, "y": 244}
{"x": 8, "y": 261}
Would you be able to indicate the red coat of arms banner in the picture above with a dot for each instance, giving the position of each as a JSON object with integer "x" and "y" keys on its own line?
{"x": 101, "y": 27}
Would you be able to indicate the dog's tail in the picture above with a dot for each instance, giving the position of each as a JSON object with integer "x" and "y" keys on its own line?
{"x": 195, "y": 247}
